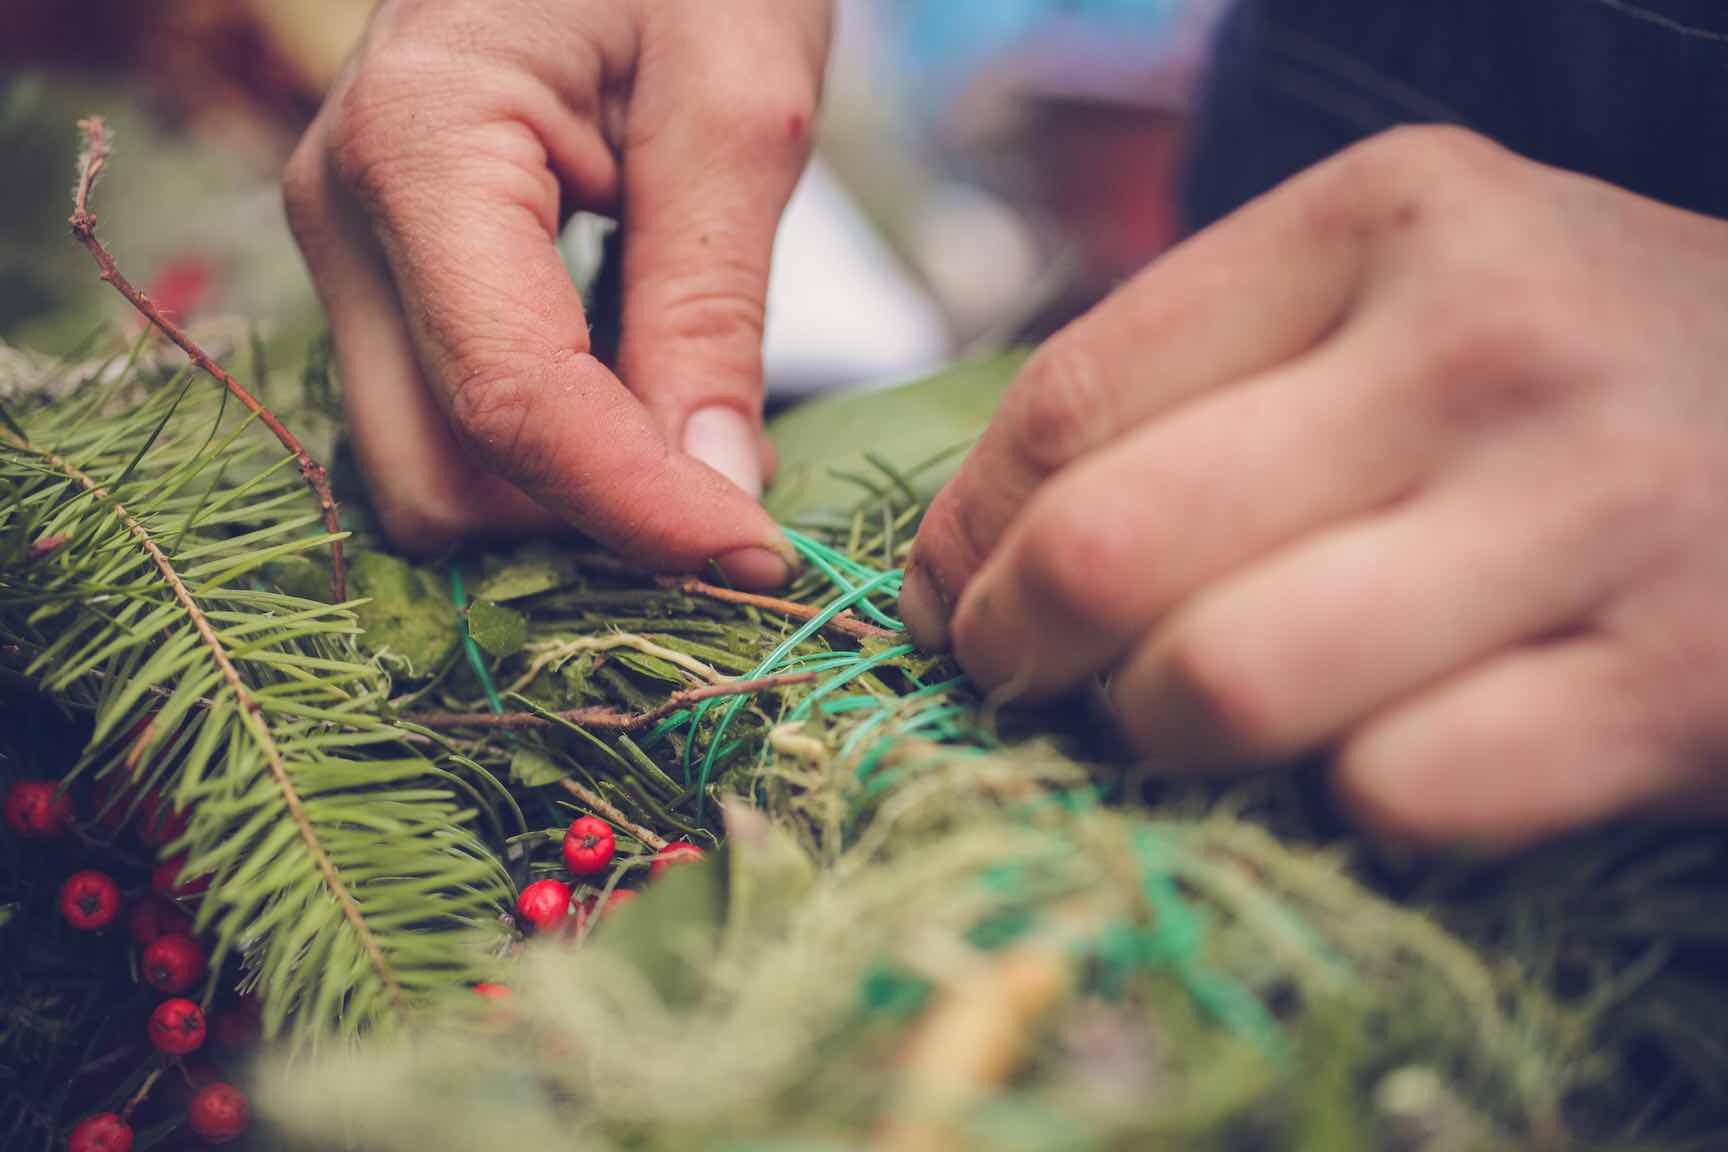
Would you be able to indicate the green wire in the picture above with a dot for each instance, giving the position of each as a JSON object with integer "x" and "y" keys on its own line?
{"x": 768, "y": 667}
{"x": 476, "y": 660}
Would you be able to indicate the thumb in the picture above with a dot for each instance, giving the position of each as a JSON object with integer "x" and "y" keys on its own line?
{"x": 718, "y": 138}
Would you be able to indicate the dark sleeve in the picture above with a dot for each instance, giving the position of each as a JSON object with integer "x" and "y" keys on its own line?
{"x": 1633, "y": 93}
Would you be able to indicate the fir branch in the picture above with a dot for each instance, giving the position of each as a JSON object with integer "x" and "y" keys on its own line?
{"x": 250, "y": 710}
{"x": 91, "y": 160}
{"x": 161, "y": 572}
{"x": 610, "y": 719}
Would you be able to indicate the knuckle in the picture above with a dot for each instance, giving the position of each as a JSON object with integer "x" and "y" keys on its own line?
{"x": 716, "y": 313}
{"x": 303, "y": 191}
{"x": 1058, "y": 409}
{"x": 1415, "y": 156}
{"x": 768, "y": 120}
{"x": 1483, "y": 361}
{"x": 492, "y": 407}
{"x": 1393, "y": 182}
{"x": 373, "y": 128}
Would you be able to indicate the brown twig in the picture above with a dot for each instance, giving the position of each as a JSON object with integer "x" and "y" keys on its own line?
{"x": 845, "y": 623}
{"x": 610, "y": 719}
{"x": 90, "y": 164}
{"x": 609, "y": 810}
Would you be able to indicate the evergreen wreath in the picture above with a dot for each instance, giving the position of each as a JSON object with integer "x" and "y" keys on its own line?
{"x": 408, "y": 806}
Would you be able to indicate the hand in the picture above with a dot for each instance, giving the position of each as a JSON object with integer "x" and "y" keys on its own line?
{"x": 427, "y": 196}
{"x": 1423, "y": 456}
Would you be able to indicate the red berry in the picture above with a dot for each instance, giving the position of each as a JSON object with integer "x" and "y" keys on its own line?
{"x": 89, "y": 900}
{"x": 173, "y": 964}
{"x": 177, "y": 1027}
{"x": 37, "y": 809}
{"x": 103, "y": 1132}
{"x": 492, "y": 991}
{"x": 681, "y": 852}
{"x": 618, "y": 898}
{"x": 154, "y": 918}
{"x": 162, "y": 823}
{"x": 588, "y": 846}
{"x": 218, "y": 1112}
{"x": 544, "y": 904}
{"x": 166, "y": 881}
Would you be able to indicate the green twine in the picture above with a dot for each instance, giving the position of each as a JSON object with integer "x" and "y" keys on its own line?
{"x": 770, "y": 665}
{"x": 1175, "y": 941}
{"x": 471, "y": 649}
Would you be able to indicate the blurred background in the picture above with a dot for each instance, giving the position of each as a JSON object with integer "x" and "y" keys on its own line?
{"x": 984, "y": 172}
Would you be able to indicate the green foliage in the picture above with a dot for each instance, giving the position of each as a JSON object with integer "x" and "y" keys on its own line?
{"x": 406, "y": 614}
{"x": 137, "y": 522}
{"x": 890, "y": 848}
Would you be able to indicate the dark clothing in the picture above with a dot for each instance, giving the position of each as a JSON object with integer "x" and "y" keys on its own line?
{"x": 1632, "y": 91}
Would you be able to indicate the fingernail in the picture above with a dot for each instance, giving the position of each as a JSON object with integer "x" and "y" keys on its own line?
{"x": 754, "y": 567}
{"x": 924, "y": 609}
{"x": 725, "y": 439}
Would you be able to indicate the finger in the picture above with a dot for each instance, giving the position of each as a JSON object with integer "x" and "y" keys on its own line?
{"x": 719, "y": 130}
{"x": 426, "y": 491}
{"x": 1116, "y": 540}
{"x": 1294, "y": 651}
{"x": 466, "y": 219}
{"x": 1534, "y": 742}
{"x": 1258, "y": 289}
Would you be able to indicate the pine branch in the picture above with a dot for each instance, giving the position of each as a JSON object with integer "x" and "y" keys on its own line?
{"x": 250, "y": 710}
{"x": 340, "y": 863}
{"x": 92, "y": 159}
{"x": 610, "y": 719}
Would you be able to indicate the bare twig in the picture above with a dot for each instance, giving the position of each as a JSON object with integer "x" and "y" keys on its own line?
{"x": 90, "y": 164}
{"x": 845, "y": 623}
{"x": 607, "y": 809}
{"x": 610, "y": 719}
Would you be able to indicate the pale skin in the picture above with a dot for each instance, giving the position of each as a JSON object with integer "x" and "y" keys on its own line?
{"x": 1420, "y": 458}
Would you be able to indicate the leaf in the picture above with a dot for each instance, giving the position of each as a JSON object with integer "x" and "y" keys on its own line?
{"x": 905, "y": 427}
{"x": 670, "y": 933}
{"x": 768, "y": 876}
{"x": 409, "y": 617}
{"x": 529, "y": 573}
{"x": 500, "y": 631}
{"x": 300, "y": 576}
{"x": 531, "y": 767}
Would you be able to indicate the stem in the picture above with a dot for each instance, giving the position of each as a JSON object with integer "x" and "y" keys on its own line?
{"x": 845, "y": 623}
{"x": 83, "y": 221}
{"x": 142, "y": 1094}
{"x": 609, "y": 810}
{"x": 608, "y": 718}
{"x": 251, "y": 712}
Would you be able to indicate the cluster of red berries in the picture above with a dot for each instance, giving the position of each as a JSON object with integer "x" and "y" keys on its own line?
{"x": 170, "y": 959}
{"x": 589, "y": 845}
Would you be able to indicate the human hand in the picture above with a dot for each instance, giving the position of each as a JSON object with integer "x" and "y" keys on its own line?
{"x": 427, "y": 196}
{"x": 1423, "y": 456}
